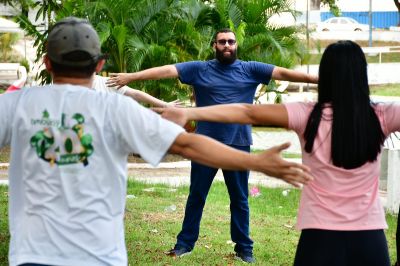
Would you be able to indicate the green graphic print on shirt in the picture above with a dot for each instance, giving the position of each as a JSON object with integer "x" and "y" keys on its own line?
{"x": 62, "y": 141}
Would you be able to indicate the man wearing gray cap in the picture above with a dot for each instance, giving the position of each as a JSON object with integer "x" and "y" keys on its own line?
{"x": 69, "y": 148}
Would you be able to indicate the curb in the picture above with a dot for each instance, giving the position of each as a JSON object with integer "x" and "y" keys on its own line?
{"x": 169, "y": 165}
{"x": 183, "y": 177}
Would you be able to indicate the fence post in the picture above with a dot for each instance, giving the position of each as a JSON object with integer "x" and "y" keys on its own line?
{"x": 393, "y": 180}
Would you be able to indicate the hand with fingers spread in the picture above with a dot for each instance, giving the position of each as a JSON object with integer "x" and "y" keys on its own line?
{"x": 212, "y": 153}
{"x": 175, "y": 103}
{"x": 119, "y": 79}
{"x": 273, "y": 165}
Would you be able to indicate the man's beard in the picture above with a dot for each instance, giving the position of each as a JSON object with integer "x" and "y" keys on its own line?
{"x": 224, "y": 59}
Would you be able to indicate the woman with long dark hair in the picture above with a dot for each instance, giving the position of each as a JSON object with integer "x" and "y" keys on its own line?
{"x": 340, "y": 215}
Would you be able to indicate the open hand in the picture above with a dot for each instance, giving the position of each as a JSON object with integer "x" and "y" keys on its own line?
{"x": 293, "y": 173}
{"x": 118, "y": 80}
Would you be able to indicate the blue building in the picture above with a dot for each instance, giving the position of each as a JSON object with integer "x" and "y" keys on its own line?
{"x": 380, "y": 19}
{"x": 384, "y": 12}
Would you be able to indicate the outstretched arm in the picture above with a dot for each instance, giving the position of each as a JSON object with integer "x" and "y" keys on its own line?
{"x": 162, "y": 72}
{"x": 259, "y": 114}
{"x": 215, "y": 154}
{"x": 143, "y": 97}
{"x": 280, "y": 73}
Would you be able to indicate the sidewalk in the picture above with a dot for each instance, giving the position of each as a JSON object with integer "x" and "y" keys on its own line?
{"x": 172, "y": 174}
{"x": 178, "y": 174}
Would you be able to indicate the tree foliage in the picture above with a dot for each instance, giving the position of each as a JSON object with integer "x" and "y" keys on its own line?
{"x": 332, "y": 5}
{"x": 139, "y": 34}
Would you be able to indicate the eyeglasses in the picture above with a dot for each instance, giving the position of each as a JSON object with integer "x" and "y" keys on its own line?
{"x": 223, "y": 42}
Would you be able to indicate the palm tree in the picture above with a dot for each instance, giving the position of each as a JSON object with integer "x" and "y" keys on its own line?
{"x": 135, "y": 34}
{"x": 46, "y": 8}
{"x": 139, "y": 34}
{"x": 257, "y": 39}
{"x": 147, "y": 33}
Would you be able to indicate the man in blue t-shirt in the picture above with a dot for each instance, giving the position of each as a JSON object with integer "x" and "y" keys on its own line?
{"x": 222, "y": 80}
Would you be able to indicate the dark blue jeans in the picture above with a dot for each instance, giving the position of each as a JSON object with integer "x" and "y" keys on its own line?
{"x": 201, "y": 178}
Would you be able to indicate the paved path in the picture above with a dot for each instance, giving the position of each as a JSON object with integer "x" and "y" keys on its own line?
{"x": 178, "y": 173}
{"x": 267, "y": 139}
{"x": 172, "y": 173}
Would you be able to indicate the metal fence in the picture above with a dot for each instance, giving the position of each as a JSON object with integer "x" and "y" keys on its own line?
{"x": 380, "y": 19}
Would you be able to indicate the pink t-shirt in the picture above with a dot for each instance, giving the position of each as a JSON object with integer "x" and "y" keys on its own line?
{"x": 339, "y": 199}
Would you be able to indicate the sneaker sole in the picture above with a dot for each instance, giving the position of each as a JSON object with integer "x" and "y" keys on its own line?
{"x": 184, "y": 254}
{"x": 176, "y": 256}
{"x": 241, "y": 260}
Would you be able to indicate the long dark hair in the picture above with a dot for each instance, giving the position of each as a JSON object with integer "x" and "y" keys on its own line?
{"x": 357, "y": 135}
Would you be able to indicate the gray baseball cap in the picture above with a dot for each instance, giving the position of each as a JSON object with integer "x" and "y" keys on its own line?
{"x": 73, "y": 42}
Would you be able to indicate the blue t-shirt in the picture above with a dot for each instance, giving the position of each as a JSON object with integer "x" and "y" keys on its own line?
{"x": 216, "y": 83}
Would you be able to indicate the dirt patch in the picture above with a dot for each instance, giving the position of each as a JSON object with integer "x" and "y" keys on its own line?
{"x": 137, "y": 172}
{"x": 4, "y": 155}
{"x": 133, "y": 158}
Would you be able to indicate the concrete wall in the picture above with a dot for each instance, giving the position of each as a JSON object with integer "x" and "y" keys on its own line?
{"x": 377, "y": 73}
{"x": 390, "y": 166}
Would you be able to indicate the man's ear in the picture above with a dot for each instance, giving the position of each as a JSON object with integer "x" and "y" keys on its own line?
{"x": 47, "y": 63}
{"x": 100, "y": 65}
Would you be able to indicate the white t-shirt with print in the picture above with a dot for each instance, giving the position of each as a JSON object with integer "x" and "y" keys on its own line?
{"x": 67, "y": 177}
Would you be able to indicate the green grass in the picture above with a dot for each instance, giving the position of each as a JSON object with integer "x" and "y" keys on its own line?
{"x": 150, "y": 230}
{"x": 267, "y": 129}
{"x": 373, "y": 58}
{"x": 4, "y": 155}
{"x": 4, "y": 233}
{"x": 291, "y": 155}
{"x": 315, "y": 43}
{"x": 386, "y": 58}
{"x": 386, "y": 90}
{"x": 273, "y": 239}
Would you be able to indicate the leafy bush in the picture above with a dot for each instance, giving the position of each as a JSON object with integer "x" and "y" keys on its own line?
{"x": 6, "y": 52}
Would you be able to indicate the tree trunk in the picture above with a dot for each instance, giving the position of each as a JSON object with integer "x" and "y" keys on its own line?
{"x": 315, "y": 4}
{"x": 397, "y": 3}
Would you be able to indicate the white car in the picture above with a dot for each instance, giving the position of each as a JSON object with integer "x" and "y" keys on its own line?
{"x": 341, "y": 24}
